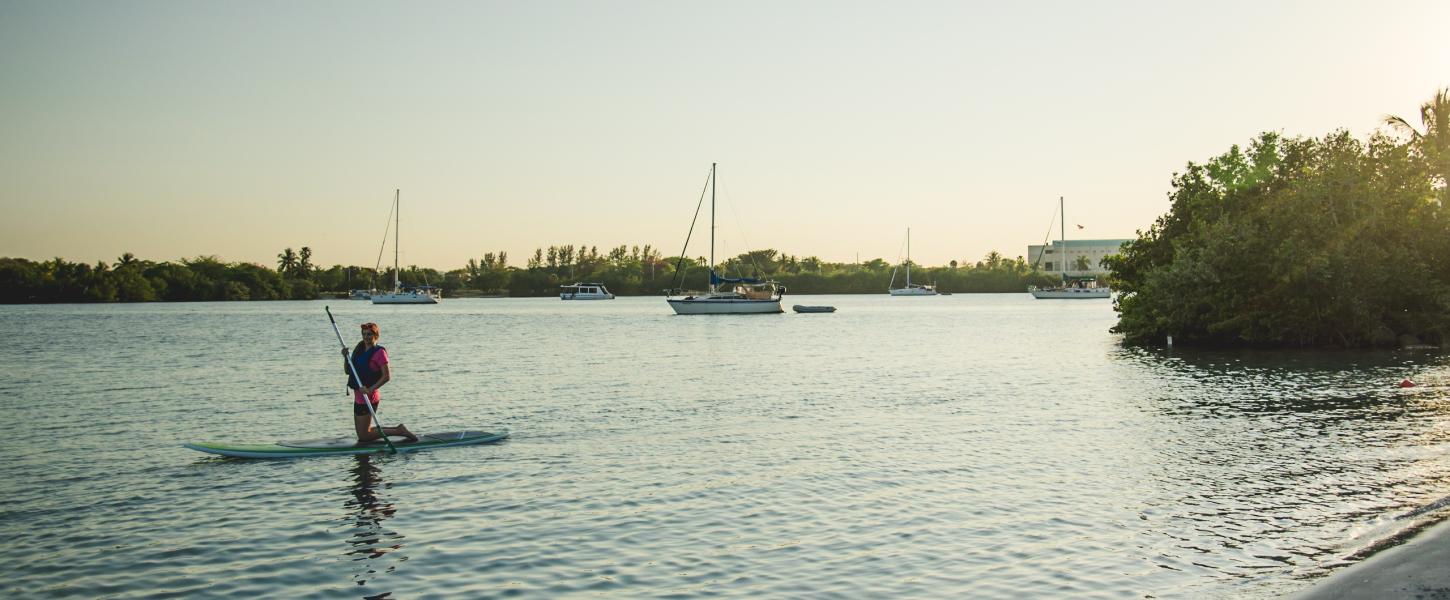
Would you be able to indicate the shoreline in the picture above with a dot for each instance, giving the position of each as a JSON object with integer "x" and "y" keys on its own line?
{"x": 341, "y": 296}
{"x": 1417, "y": 567}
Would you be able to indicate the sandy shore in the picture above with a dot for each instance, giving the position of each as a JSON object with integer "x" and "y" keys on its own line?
{"x": 1418, "y": 568}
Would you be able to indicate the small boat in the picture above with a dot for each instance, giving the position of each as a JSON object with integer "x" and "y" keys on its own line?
{"x": 911, "y": 289}
{"x": 360, "y": 295}
{"x": 801, "y": 308}
{"x": 584, "y": 291}
{"x": 745, "y": 296}
{"x": 421, "y": 294}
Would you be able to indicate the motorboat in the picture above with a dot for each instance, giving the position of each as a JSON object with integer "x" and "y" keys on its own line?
{"x": 584, "y": 291}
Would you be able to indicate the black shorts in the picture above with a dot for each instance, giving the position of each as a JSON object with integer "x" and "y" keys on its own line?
{"x": 361, "y": 410}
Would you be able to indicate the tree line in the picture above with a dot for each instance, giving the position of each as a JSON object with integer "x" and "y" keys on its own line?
{"x": 132, "y": 280}
{"x": 625, "y": 270}
{"x": 1300, "y": 242}
{"x": 643, "y": 270}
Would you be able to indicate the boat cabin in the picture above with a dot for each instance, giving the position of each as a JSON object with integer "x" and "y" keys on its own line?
{"x": 584, "y": 291}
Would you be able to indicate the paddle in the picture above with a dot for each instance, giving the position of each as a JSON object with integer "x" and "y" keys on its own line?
{"x": 353, "y": 368}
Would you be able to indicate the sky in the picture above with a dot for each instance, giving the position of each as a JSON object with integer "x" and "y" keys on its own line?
{"x": 237, "y": 129}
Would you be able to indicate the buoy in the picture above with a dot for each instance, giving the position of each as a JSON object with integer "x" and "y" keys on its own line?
{"x": 1407, "y": 383}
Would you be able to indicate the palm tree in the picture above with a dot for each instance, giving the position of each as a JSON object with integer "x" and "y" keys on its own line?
{"x": 1434, "y": 142}
{"x": 304, "y": 262}
{"x": 126, "y": 260}
{"x": 993, "y": 260}
{"x": 287, "y": 261}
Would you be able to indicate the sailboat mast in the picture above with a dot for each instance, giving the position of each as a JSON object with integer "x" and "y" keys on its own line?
{"x": 714, "y": 182}
{"x": 1062, "y": 231}
{"x": 397, "y": 221}
{"x": 908, "y": 258}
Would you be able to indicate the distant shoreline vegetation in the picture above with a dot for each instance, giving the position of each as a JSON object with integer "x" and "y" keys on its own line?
{"x": 627, "y": 271}
{"x": 1300, "y": 242}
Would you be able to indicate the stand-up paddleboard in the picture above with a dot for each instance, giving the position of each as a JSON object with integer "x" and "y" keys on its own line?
{"x": 340, "y": 446}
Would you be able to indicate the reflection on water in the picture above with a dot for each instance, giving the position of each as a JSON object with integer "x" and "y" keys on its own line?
{"x": 372, "y": 546}
{"x": 1322, "y": 386}
{"x": 1256, "y": 451}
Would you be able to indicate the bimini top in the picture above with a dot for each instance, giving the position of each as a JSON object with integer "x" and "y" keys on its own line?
{"x": 716, "y": 279}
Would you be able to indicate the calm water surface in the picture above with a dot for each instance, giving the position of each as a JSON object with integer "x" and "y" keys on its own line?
{"x": 989, "y": 446}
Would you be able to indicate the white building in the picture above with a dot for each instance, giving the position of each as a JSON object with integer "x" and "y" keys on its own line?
{"x": 1052, "y": 257}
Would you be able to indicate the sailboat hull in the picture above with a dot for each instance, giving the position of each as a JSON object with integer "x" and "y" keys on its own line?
{"x": 404, "y": 298}
{"x": 913, "y": 292}
{"x": 724, "y": 306}
{"x": 1072, "y": 293}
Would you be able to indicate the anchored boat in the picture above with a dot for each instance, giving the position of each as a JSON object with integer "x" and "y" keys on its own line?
{"x": 801, "y": 308}
{"x": 584, "y": 291}
{"x": 419, "y": 294}
{"x": 1072, "y": 287}
{"x": 743, "y": 296}
{"x": 910, "y": 289}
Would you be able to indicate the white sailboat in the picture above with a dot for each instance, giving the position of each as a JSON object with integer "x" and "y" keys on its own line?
{"x": 743, "y": 297}
{"x": 1071, "y": 288}
{"x": 910, "y": 289}
{"x": 421, "y": 294}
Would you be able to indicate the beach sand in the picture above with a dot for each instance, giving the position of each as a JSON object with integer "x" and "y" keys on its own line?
{"x": 1418, "y": 568}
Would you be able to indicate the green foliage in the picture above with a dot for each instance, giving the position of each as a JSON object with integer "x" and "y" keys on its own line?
{"x": 624, "y": 270}
{"x": 234, "y": 290}
{"x": 490, "y": 275}
{"x": 1433, "y": 144}
{"x": 132, "y": 280}
{"x": 1293, "y": 242}
{"x": 627, "y": 271}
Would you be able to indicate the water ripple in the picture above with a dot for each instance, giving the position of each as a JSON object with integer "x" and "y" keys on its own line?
{"x": 978, "y": 446}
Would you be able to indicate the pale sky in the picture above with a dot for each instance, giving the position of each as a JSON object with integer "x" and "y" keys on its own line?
{"x": 175, "y": 129}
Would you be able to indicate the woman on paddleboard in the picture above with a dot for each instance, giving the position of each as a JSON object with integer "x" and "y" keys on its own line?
{"x": 371, "y": 362}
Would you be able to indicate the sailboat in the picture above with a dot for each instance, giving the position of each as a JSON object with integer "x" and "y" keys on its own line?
{"x": 421, "y": 294}
{"x": 743, "y": 296}
{"x": 911, "y": 289}
{"x": 1071, "y": 288}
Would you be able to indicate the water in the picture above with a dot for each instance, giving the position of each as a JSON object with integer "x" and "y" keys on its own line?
{"x": 989, "y": 446}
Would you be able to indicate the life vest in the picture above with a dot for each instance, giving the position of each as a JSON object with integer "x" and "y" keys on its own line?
{"x": 362, "y": 362}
